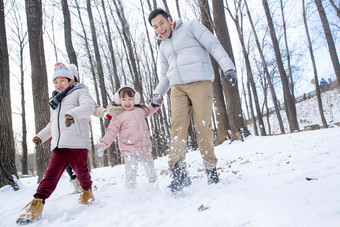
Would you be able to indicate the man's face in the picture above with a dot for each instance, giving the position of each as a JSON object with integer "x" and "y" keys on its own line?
{"x": 162, "y": 26}
{"x": 61, "y": 83}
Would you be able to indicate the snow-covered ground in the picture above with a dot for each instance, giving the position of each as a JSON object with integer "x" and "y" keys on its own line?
{"x": 282, "y": 180}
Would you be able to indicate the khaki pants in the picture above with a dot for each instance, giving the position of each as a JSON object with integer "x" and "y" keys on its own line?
{"x": 199, "y": 96}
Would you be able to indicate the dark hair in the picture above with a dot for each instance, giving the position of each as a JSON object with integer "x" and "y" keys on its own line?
{"x": 131, "y": 93}
{"x": 156, "y": 12}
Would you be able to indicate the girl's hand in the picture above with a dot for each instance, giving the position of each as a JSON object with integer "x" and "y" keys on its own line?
{"x": 100, "y": 148}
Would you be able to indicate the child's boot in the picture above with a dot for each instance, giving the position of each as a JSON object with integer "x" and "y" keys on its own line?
{"x": 86, "y": 197}
{"x": 34, "y": 210}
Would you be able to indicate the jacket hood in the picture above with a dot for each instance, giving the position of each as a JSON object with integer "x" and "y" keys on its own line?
{"x": 174, "y": 26}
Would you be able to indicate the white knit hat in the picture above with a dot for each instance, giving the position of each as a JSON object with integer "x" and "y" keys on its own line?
{"x": 74, "y": 70}
{"x": 60, "y": 70}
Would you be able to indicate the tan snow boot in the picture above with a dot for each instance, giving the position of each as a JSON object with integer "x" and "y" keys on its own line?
{"x": 86, "y": 197}
{"x": 34, "y": 210}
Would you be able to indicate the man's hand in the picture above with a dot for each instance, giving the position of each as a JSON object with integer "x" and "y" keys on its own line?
{"x": 156, "y": 100}
{"x": 37, "y": 141}
{"x": 68, "y": 120}
{"x": 231, "y": 76}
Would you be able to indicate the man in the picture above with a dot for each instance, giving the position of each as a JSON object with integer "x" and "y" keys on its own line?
{"x": 185, "y": 67}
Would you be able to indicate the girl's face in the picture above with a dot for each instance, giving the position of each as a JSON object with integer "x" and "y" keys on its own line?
{"x": 61, "y": 83}
{"x": 127, "y": 102}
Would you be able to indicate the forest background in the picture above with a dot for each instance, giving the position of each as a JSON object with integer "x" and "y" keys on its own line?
{"x": 112, "y": 45}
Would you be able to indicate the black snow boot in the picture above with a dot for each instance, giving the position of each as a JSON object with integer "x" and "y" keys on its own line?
{"x": 180, "y": 178}
{"x": 212, "y": 176}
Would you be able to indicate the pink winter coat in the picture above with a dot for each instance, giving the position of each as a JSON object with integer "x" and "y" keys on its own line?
{"x": 132, "y": 130}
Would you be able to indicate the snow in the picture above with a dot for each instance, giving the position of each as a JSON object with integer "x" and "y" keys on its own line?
{"x": 283, "y": 180}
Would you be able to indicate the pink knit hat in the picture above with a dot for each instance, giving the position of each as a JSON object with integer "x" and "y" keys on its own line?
{"x": 60, "y": 70}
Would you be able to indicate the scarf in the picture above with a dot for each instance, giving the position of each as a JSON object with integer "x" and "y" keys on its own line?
{"x": 57, "y": 97}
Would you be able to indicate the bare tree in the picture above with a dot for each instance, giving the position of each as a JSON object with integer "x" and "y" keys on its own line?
{"x": 68, "y": 33}
{"x": 288, "y": 99}
{"x": 234, "y": 110}
{"x": 317, "y": 88}
{"x": 238, "y": 20}
{"x": 329, "y": 38}
{"x": 39, "y": 79}
{"x": 266, "y": 72}
{"x": 99, "y": 68}
{"x": 290, "y": 76}
{"x": 7, "y": 151}
{"x": 109, "y": 41}
{"x": 222, "y": 125}
{"x": 21, "y": 40}
{"x": 337, "y": 9}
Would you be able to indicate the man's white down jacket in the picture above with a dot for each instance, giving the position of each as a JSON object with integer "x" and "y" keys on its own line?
{"x": 184, "y": 57}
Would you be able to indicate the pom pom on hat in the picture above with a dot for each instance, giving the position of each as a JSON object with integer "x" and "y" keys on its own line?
{"x": 60, "y": 70}
{"x": 74, "y": 70}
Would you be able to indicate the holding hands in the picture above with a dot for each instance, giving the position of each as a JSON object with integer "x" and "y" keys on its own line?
{"x": 231, "y": 76}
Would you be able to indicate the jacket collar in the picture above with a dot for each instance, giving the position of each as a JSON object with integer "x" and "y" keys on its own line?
{"x": 174, "y": 26}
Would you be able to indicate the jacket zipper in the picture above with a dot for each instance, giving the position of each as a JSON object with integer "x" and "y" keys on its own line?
{"x": 176, "y": 60}
{"x": 58, "y": 125}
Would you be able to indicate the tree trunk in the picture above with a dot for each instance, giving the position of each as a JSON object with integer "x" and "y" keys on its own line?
{"x": 39, "y": 80}
{"x": 129, "y": 43}
{"x": 291, "y": 82}
{"x": 219, "y": 104}
{"x": 317, "y": 88}
{"x": 7, "y": 151}
{"x": 239, "y": 28}
{"x": 329, "y": 38}
{"x": 109, "y": 41}
{"x": 68, "y": 33}
{"x": 288, "y": 99}
{"x": 234, "y": 110}
{"x": 253, "y": 118}
{"x": 99, "y": 69}
{"x": 337, "y": 9}
{"x": 23, "y": 111}
{"x": 264, "y": 64}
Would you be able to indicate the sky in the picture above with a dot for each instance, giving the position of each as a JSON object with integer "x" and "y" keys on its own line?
{"x": 282, "y": 180}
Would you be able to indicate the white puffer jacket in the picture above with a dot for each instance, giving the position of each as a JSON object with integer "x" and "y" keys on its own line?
{"x": 79, "y": 104}
{"x": 184, "y": 57}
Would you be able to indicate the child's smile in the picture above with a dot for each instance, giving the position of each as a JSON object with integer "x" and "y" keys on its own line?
{"x": 127, "y": 102}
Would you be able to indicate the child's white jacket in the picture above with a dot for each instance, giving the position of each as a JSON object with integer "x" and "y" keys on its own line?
{"x": 79, "y": 104}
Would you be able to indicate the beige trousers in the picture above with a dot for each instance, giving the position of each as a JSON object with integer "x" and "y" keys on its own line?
{"x": 199, "y": 96}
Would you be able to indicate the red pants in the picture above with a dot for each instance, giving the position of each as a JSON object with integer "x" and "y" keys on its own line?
{"x": 61, "y": 157}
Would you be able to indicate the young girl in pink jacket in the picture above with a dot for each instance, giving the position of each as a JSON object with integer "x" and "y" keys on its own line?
{"x": 133, "y": 135}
